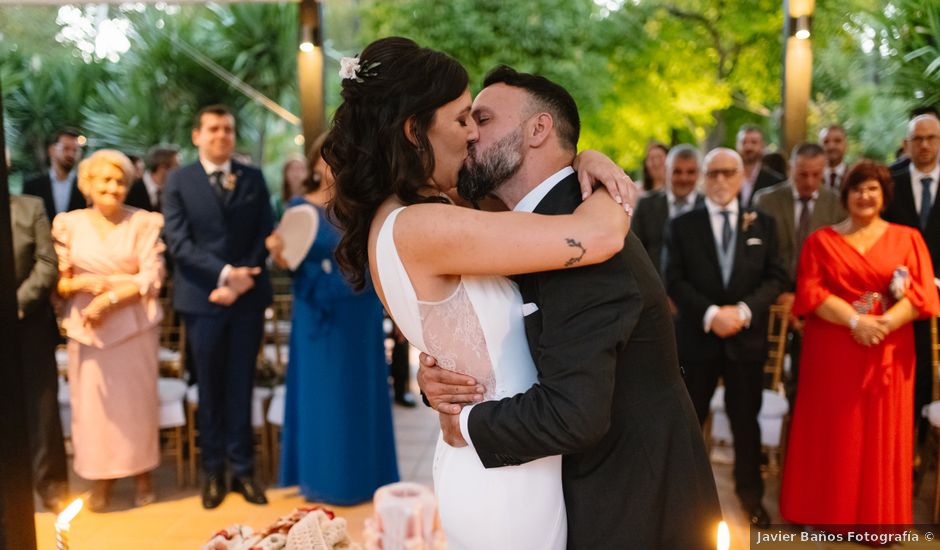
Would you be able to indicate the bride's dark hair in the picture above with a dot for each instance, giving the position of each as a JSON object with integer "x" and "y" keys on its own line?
{"x": 367, "y": 149}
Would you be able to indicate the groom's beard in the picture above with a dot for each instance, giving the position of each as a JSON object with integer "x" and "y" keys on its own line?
{"x": 479, "y": 176}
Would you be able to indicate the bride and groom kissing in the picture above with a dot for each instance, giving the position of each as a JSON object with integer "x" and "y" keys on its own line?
{"x": 565, "y": 420}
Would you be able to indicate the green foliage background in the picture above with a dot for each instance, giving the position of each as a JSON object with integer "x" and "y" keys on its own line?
{"x": 671, "y": 70}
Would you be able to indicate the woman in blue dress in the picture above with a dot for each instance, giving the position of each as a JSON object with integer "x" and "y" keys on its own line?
{"x": 337, "y": 440}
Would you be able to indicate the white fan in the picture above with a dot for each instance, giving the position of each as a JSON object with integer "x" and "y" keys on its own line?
{"x": 298, "y": 229}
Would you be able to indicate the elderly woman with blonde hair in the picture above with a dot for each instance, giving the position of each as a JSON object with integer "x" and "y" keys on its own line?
{"x": 111, "y": 269}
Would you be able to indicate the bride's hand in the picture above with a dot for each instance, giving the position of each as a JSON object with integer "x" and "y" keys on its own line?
{"x": 450, "y": 429}
{"x": 595, "y": 167}
{"x": 447, "y": 391}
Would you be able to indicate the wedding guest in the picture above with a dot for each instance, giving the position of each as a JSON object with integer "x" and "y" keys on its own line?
{"x": 916, "y": 184}
{"x": 832, "y": 139}
{"x": 147, "y": 191}
{"x": 723, "y": 273}
{"x": 293, "y": 173}
{"x": 218, "y": 213}
{"x": 860, "y": 284}
{"x": 750, "y": 145}
{"x": 57, "y": 188}
{"x": 110, "y": 273}
{"x": 337, "y": 370}
{"x": 36, "y": 268}
{"x": 654, "y": 167}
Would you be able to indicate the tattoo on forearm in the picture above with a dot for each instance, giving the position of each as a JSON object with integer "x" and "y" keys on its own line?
{"x": 574, "y": 244}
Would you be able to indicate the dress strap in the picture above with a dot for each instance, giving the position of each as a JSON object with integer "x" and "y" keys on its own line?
{"x": 400, "y": 294}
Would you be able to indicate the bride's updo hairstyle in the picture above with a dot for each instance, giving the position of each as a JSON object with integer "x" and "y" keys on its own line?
{"x": 367, "y": 149}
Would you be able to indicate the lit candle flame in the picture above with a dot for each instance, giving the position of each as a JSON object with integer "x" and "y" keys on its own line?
{"x": 67, "y": 515}
{"x": 724, "y": 536}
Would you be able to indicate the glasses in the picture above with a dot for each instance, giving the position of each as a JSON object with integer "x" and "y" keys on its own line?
{"x": 917, "y": 140}
{"x": 726, "y": 172}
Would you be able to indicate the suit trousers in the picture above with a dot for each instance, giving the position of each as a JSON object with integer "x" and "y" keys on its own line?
{"x": 38, "y": 339}
{"x": 923, "y": 376}
{"x": 225, "y": 352}
{"x": 743, "y": 396}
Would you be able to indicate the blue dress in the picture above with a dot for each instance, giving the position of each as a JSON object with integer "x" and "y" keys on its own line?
{"x": 337, "y": 441}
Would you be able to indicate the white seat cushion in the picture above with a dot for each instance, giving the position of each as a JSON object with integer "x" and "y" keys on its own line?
{"x": 171, "y": 392}
{"x": 932, "y": 412}
{"x": 276, "y": 408}
{"x": 774, "y": 408}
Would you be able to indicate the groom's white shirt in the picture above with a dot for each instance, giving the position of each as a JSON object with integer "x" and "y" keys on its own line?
{"x": 527, "y": 204}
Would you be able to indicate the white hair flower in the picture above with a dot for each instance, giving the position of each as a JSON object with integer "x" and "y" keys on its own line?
{"x": 348, "y": 66}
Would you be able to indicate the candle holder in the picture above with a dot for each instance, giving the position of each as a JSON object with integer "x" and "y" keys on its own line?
{"x": 63, "y": 524}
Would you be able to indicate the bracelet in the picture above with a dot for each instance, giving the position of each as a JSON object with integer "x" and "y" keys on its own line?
{"x": 853, "y": 322}
{"x": 112, "y": 297}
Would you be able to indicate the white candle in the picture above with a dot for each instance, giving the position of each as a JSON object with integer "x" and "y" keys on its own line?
{"x": 62, "y": 524}
{"x": 724, "y": 536}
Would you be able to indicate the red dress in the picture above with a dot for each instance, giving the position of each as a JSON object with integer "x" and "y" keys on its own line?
{"x": 850, "y": 453}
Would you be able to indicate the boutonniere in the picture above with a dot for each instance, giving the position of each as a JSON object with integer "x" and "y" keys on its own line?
{"x": 230, "y": 181}
{"x": 747, "y": 219}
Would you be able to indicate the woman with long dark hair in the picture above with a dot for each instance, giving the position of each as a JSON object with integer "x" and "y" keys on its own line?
{"x": 396, "y": 145}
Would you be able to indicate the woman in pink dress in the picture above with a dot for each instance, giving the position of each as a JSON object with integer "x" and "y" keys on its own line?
{"x": 111, "y": 270}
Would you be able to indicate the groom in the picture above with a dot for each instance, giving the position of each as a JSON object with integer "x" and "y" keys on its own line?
{"x": 610, "y": 397}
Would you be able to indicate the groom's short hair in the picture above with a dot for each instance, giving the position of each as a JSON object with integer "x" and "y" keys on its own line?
{"x": 546, "y": 96}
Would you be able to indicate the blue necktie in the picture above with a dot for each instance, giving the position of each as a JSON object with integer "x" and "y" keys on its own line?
{"x": 926, "y": 201}
{"x": 726, "y": 231}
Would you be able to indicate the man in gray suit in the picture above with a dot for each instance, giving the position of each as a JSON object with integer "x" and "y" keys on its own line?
{"x": 799, "y": 206}
{"x": 37, "y": 272}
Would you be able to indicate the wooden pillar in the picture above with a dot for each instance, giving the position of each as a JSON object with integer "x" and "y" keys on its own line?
{"x": 17, "y": 524}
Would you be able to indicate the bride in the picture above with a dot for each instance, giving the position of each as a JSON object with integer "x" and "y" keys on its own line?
{"x": 396, "y": 146}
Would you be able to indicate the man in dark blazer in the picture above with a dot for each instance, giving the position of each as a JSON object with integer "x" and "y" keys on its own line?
{"x": 58, "y": 188}
{"x": 37, "y": 271}
{"x": 147, "y": 192}
{"x": 750, "y": 146}
{"x": 653, "y": 212}
{"x": 217, "y": 216}
{"x": 915, "y": 204}
{"x": 610, "y": 396}
{"x": 723, "y": 272}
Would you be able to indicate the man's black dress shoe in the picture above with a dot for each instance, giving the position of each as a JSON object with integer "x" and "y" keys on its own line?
{"x": 213, "y": 491}
{"x": 406, "y": 399}
{"x": 758, "y": 517}
{"x": 249, "y": 489}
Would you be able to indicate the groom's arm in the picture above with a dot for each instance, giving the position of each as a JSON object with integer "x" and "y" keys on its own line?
{"x": 587, "y": 315}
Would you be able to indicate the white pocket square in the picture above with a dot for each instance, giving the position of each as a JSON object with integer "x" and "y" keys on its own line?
{"x": 754, "y": 241}
{"x": 529, "y": 308}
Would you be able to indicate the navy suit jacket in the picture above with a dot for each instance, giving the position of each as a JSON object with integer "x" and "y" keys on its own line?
{"x": 204, "y": 233}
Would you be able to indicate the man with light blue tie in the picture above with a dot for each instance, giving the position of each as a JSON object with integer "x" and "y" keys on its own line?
{"x": 915, "y": 205}
{"x": 723, "y": 272}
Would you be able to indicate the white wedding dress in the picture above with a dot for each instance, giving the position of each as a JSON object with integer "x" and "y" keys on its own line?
{"x": 478, "y": 330}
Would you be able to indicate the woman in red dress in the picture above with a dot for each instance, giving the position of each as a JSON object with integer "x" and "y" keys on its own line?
{"x": 860, "y": 283}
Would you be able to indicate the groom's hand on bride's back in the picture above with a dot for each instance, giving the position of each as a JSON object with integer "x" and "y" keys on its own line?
{"x": 447, "y": 391}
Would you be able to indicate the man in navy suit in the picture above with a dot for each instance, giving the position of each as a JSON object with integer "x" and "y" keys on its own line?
{"x": 217, "y": 216}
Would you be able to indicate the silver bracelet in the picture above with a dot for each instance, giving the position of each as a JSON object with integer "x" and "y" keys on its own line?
{"x": 853, "y": 322}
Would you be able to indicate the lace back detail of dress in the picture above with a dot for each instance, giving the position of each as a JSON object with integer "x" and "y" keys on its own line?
{"x": 454, "y": 336}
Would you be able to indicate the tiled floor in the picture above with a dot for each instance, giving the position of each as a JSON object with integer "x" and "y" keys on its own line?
{"x": 177, "y": 521}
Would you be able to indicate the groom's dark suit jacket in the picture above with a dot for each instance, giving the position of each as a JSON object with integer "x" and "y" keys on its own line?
{"x": 611, "y": 399}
